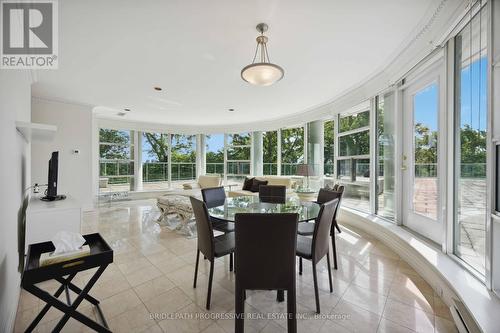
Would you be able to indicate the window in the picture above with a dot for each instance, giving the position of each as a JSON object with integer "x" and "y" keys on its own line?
{"x": 385, "y": 183}
{"x": 154, "y": 160}
{"x": 292, "y": 149}
{"x": 214, "y": 154}
{"x": 238, "y": 152}
{"x": 270, "y": 152}
{"x": 353, "y": 160}
{"x": 116, "y": 160}
{"x": 183, "y": 154}
{"x": 329, "y": 148}
{"x": 425, "y": 151}
{"x": 471, "y": 67}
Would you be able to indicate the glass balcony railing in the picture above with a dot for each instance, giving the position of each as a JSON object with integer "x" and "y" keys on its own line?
{"x": 215, "y": 168}
{"x": 158, "y": 171}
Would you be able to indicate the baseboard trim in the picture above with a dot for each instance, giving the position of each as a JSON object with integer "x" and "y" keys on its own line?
{"x": 11, "y": 318}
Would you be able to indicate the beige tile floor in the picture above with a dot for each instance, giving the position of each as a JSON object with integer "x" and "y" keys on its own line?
{"x": 148, "y": 288}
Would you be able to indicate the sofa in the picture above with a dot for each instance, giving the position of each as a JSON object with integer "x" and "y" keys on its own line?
{"x": 271, "y": 180}
{"x": 194, "y": 188}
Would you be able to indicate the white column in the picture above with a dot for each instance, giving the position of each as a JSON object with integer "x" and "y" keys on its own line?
{"x": 138, "y": 186}
{"x": 278, "y": 153}
{"x": 225, "y": 160}
{"x": 315, "y": 138}
{"x": 201, "y": 160}
{"x": 257, "y": 154}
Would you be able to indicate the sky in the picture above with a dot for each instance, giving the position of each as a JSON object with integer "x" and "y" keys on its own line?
{"x": 473, "y": 98}
{"x": 215, "y": 142}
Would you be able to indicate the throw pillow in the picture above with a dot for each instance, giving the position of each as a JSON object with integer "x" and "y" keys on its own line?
{"x": 247, "y": 185}
{"x": 256, "y": 184}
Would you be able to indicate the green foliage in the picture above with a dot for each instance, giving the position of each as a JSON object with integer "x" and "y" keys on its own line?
{"x": 473, "y": 145}
{"x": 159, "y": 146}
{"x": 425, "y": 145}
{"x": 354, "y": 121}
{"x": 354, "y": 144}
{"x": 183, "y": 148}
{"x": 120, "y": 148}
{"x": 270, "y": 146}
{"x": 214, "y": 157}
{"x": 292, "y": 145}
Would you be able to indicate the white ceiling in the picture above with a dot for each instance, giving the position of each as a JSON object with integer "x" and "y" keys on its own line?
{"x": 112, "y": 53}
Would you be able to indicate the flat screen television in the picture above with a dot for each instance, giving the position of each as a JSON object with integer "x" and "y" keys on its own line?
{"x": 51, "y": 193}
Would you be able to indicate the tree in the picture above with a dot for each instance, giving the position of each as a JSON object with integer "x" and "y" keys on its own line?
{"x": 472, "y": 152}
{"x": 115, "y": 145}
{"x": 159, "y": 146}
{"x": 183, "y": 148}
{"x": 292, "y": 145}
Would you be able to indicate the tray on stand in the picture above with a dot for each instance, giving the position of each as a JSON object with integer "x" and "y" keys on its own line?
{"x": 101, "y": 255}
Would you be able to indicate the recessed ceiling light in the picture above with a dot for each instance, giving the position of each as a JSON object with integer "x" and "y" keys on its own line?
{"x": 158, "y": 88}
{"x": 121, "y": 114}
{"x": 127, "y": 109}
{"x": 231, "y": 110}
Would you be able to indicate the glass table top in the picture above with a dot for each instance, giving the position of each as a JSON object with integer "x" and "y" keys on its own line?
{"x": 251, "y": 204}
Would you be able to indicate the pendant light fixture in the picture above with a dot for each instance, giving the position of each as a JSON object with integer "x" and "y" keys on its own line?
{"x": 263, "y": 72}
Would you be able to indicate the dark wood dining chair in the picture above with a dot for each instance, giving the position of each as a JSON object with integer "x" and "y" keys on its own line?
{"x": 272, "y": 193}
{"x": 265, "y": 260}
{"x": 307, "y": 228}
{"x": 318, "y": 246}
{"x": 211, "y": 246}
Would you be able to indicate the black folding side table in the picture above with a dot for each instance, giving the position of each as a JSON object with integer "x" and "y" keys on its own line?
{"x": 101, "y": 255}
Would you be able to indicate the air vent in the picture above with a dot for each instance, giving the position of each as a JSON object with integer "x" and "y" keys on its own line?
{"x": 463, "y": 320}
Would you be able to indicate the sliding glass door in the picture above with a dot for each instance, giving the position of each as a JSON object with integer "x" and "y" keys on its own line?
{"x": 471, "y": 66}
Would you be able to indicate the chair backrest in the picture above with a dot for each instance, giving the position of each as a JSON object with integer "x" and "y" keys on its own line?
{"x": 325, "y": 195}
{"x": 321, "y": 235}
{"x": 213, "y": 196}
{"x": 265, "y": 250}
{"x": 203, "y": 227}
{"x": 272, "y": 193}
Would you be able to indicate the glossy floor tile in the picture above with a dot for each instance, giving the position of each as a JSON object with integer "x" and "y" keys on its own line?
{"x": 149, "y": 287}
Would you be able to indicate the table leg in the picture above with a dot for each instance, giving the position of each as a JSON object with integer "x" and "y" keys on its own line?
{"x": 280, "y": 297}
{"x": 47, "y": 306}
{"x": 69, "y": 310}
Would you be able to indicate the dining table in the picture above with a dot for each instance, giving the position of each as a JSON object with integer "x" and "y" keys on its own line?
{"x": 306, "y": 210}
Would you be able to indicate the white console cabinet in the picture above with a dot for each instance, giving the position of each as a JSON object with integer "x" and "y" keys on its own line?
{"x": 45, "y": 218}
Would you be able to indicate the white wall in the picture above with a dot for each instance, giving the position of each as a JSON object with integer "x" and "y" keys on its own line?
{"x": 15, "y": 95}
{"x": 74, "y": 131}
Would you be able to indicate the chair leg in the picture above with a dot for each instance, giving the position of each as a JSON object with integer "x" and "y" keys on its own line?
{"x": 329, "y": 271}
{"x": 300, "y": 265}
{"x": 338, "y": 228}
{"x": 292, "y": 310}
{"x": 316, "y": 293}
{"x": 334, "y": 250}
{"x": 196, "y": 267}
{"x": 230, "y": 262}
{"x": 210, "y": 278}
{"x": 239, "y": 310}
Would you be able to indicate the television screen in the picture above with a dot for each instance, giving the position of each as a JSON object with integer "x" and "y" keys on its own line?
{"x": 52, "y": 180}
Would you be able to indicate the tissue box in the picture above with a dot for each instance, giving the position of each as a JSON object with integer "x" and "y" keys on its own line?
{"x": 49, "y": 258}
